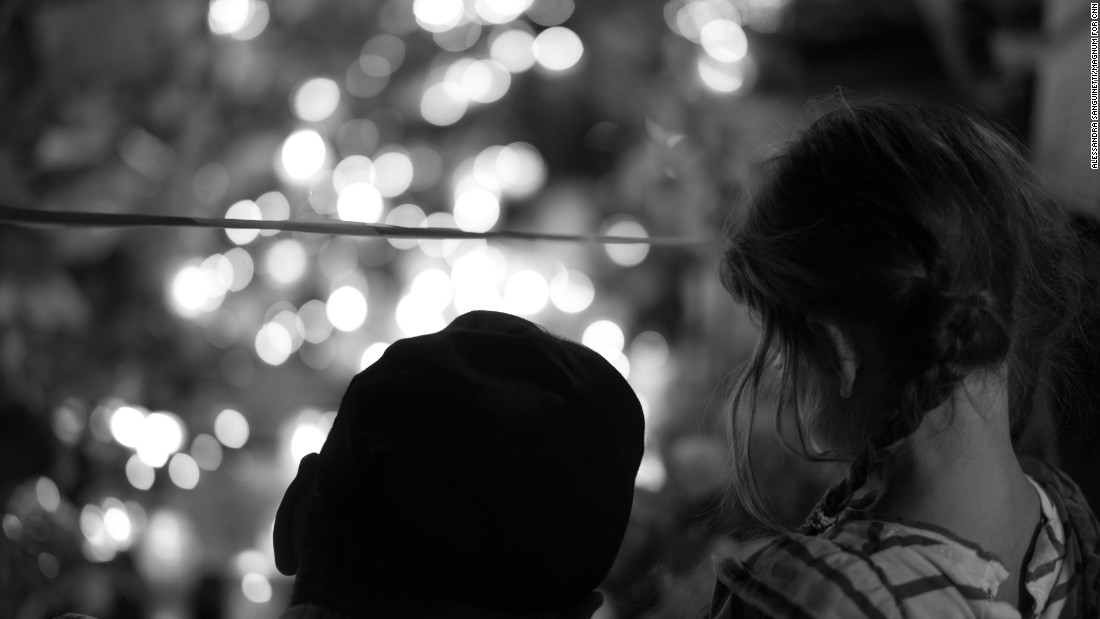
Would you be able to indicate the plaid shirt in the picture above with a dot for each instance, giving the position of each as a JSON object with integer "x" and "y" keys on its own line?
{"x": 869, "y": 567}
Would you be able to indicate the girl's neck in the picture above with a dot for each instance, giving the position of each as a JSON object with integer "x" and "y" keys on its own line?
{"x": 959, "y": 471}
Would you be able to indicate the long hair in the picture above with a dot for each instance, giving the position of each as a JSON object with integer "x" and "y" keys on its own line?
{"x": 926, "y": 227}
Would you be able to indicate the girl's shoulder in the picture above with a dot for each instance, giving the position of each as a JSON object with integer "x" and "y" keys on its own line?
{"x": 859, "y": 568}
{"x": 866, "y": 566}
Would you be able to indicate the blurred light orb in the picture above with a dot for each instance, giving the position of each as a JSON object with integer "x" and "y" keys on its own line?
{"x": 649, "y": 350}
{"x": 183, "y": 471}
{"x": 438, "y": 15}
{"x": 476, "y": 210}
{"x": 273, "y": 344}
{"x": 386, "y": 47}
{"x": 303, "y": 154}
{"x": 522, "y": 168}
{"x": 219, "y": 272}
{"x": 571, "y": 291}
{"x": 360, "y": 202}
{"x": 207, "y": 452}
{"x": 626, "y": 254}
{"x": 371, "y": 354}
{"x": 256, "y": 588}
{"x": 721, "y": 77}
{"x": 127, "y": 424}
{"x": 604, "y": 337}
{"x": 293, "y": 325}
{"x": 315, "y": 322}
{"x": 189, "y": 291}
{"x": 257, "y": 22}
{"x": 436, "y": 247}
{"x": 474, "y": 269}
{"x": 724, "y": 40}
{"x": 49, "y": 497}
{"x": 432, "y": 288}
{"x": 229, "y": 16}
{"x": 245, "y": 209}
{"x": 514, "y": 50}
{"x": 406, "y": 216}
{"x": 414, "y": 317}
{"x": 286, "y": 261}
{"x": 485, "y": 81}
{"x": 139, "y": 474}
{"x": 557, "y": 48}
{"x": 346, "y": 308}
{"x": 500, "y": 11}
{"x": 116, "y": 522}
{"x": 231, "y": 428}
{"x": 526, "y": 292}
{"x": 162, "y": 435}
{"x": 273, "y": 206}
{"x": 393, "y": 171}
{"x": 443, "y": 104}
{"x": 316, "y": 99}
{"x": 307, "y": 438}
{"x": 693, "y": 16}
{"x": 243, "y": 268}
{"x": 353, "y": 169}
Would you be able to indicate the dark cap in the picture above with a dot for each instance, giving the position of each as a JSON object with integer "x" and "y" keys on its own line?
{"x": 492, "y": 460}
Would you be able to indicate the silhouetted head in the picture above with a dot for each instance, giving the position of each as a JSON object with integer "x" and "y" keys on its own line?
{"x": 486, "y": 470}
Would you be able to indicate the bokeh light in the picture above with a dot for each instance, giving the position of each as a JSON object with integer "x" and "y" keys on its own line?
{"x": 207, "y": 452}
{"x": 127, "y": 424}
{"x": 256, "y": 588}
{"x": 371, "y": 354}
{"x": 286, "y": 262}
{"x": 241, "y": 263}
{"x": 626, "y": 254}
{"x": 244, "y": 209}
{"x": 49, "y": 497}
{"x": 231, "y": 428}
{"x": 346, "y": 308}
{"x": 273, "y": 343}
{"x": 139, "y": 474}
{"x": 571, "y": 291}
{"x": 724, "y": 40}
{"x": 315, "y": 323}
{"x": 476, "y": 210}
{"x": 514, "y": 50}
{"x": 162, "y": 435}
{"x": 485, "y": 81}
{"x": 183, "y": 471}
{"x": 438, "y": 15}
{"x": 443, "y": 104}
{"x": 406, "y": 216}
{"x": 393, "y": 171}
{"x": 303, "y": 154}
{"x": 316, "y": 99}
{"x": 557, "y": 48}
{"x": 604, "y": 337}
{"x": 526, "y": 292}
{"x": 721, "y": 77}
{"x": 360, "y": 202}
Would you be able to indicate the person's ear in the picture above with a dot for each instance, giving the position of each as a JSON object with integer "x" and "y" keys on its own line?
{"x": 290, "y": 519}
{"x": 844, "y": 348}
{"x": 583, "y": 608}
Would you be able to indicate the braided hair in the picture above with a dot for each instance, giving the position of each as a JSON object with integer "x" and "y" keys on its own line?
{"x": 924, "y": 225}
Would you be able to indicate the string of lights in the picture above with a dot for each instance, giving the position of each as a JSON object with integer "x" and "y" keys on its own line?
{"x": 116, "y": 220}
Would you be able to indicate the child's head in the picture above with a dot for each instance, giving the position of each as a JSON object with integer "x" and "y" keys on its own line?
{"x": 484, "y": 470}
{"x": 921, "y": 229}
